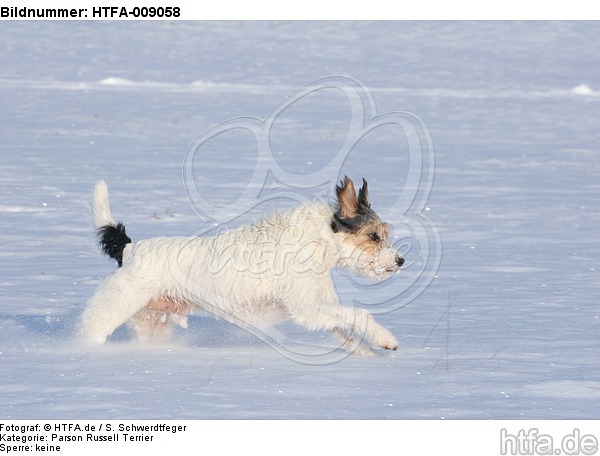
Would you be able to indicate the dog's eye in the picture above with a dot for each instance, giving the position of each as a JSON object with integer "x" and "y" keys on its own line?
{"x": 374, "y": 237}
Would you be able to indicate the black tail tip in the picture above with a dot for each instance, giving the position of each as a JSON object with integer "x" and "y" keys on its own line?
{"x": 113, "y": 240}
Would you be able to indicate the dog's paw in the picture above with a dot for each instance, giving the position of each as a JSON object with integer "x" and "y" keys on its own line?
{"x": 386, "y": 340}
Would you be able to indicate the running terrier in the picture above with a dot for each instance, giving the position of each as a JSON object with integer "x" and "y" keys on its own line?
{"x": 279, "y": 265}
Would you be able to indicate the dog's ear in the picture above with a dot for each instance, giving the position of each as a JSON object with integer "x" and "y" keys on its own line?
{"x": 347, "y": 198}
{"x": 363, "y": 195}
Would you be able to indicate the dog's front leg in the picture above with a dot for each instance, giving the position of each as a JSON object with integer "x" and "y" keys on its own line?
{"x": 352, "y": 344}
{"x": 319, "y": 309}
{"x": 379, "y": 335}
{"x": 361, "y": 324}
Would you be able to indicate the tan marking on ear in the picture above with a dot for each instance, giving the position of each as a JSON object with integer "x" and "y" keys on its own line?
{"x": 348, "y": 200}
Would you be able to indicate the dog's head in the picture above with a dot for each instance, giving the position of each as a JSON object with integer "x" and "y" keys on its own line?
{"x": 365, "y": 245}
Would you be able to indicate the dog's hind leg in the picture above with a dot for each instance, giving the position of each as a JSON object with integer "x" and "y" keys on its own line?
{"x": 117, "y": 299}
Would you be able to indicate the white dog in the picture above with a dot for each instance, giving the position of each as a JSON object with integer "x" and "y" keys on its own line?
{"x": 280, "y": 264}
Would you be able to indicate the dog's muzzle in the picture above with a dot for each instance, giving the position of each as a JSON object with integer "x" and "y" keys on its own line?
{"x": 399, "y": 261}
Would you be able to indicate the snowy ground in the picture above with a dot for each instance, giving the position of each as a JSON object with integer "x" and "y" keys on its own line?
{"x": 508, "y": 329}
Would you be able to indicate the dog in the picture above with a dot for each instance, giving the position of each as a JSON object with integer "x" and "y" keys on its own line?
{"x": 280, "y": 265}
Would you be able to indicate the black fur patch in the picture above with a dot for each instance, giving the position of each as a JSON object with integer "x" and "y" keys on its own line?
{"x": 352, "y": 224}
{"x": 113, "y": 240}
{"x": 363, "y": 195}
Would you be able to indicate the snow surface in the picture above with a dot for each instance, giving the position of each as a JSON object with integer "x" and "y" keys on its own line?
{"x": 508, "y": 329}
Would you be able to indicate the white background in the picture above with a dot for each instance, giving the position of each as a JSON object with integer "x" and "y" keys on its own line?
{"x": 509, "y": 330}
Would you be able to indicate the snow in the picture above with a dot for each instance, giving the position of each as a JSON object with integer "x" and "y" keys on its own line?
{"x": 505, "y": 328}
{"x": 583, "y": 89}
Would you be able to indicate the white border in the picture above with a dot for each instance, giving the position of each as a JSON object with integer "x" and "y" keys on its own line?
{"x": 345, "y": 10}
{"x": 348, "y": 438}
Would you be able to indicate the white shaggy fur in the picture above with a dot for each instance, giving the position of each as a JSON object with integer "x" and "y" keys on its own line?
{"x": 100, "y": 208}
{"x": 279, "y": 265}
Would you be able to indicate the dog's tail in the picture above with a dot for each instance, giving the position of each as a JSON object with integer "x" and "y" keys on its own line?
{"x": 113, "y": 238}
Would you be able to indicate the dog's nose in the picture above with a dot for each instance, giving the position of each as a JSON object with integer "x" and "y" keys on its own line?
{"x": 399, "y": 261}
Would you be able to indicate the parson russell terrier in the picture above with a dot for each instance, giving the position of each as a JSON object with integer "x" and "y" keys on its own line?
{"x": 277, "y": 266}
